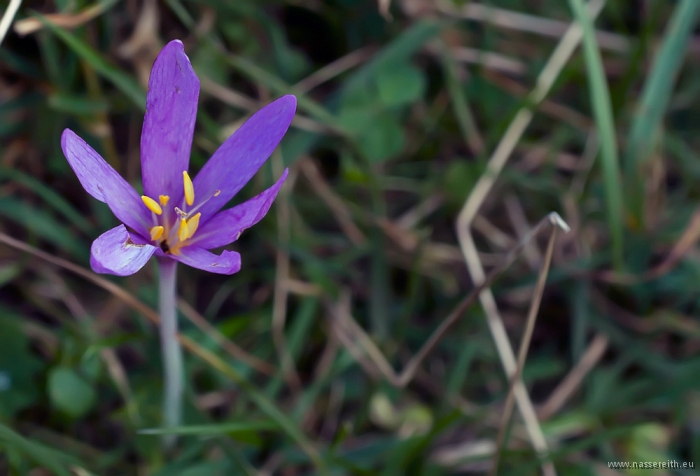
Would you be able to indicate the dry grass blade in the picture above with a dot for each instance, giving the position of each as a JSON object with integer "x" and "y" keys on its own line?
{"x": 688, "y": 239}
{"x": 130, "y": 300}
{"x": 235, "y": 351}
{"x": 522, "y": 119}
{"x": 524, "y": 347}
{"x": 573, "y": 380}
{"x": 384, "y": 8}
{"x": 65, "y": 20}
{"x": 529, "y": 23}
{"x": 370, "y": 357}
{"x": 568, "y": 43}
{"x": 335, "y": 203}
{"x": 333, "y": 69}
{"x": 263, "y": 402}
{"x": 281, "y": 292}
{"x": 241, "y": 101}
{"x": 8, "y": 17}
{"x": 487, "y": 59}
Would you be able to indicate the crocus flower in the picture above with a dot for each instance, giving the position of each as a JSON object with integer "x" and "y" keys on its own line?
{"x": 178, "y": 217}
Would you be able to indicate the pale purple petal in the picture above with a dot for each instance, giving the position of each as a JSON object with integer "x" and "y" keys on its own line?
{"x": 228, "y": 262}
{"x": 104, "y": 183}
{"x": 225, "y": 227}
{"x": 114, "y": 252}
{"x": 171, "y": 109}
{"x": 242, "y": 154}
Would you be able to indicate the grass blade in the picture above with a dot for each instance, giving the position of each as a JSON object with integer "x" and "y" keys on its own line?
{"x": 215, "y": 429}
{"x": 264, "y": 403}
{"x": 52, "y": 199}
{"x": 40, "y": 454}
{"x": 122, "y": 81}
{"x": 655, "y": 98}
{"x": 602, "y": 109}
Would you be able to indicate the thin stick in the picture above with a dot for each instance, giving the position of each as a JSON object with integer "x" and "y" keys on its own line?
{"x": 516, "y": 128}
{"x": 8, "y": 17}
{"x": 345, "y": 326}
{"x": 335, "y": 203}
{"x": 213, "y": 333}
{"x": 524, "y": 347}
{"x": 568, "y": 386}
{"x": 529, "y": 23}
{"x": 568, "y": 43}
{"x": 281, "y": 293}
{"x": 331, "y": 70}
{"x": 240, "y": 101}
{"x": 90, "y": 276}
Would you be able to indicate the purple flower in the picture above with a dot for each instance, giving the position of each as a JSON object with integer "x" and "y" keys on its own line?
{"x": 177, "y": 217}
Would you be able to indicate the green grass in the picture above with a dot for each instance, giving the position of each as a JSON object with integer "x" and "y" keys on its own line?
{"x": 399, "y": 140}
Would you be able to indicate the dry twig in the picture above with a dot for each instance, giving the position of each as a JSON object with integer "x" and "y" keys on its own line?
{"x": 524, "y": 347}
{"x": 370, "y": 357}
{"x": 568, "y": 43}
{"x": 573, "y": 380}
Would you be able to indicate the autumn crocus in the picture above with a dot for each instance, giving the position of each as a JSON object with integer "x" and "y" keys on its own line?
{"x": 178, "y": 219}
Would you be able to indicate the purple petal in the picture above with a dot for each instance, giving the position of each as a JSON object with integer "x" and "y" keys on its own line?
{"x": 114, "y": 252}
{"x": 228, "y": 262}
{"x": 171, "y": 109}
{"x": 225, "y": 227}
{"x": 242, "y": 154}
{"x": 104, "y": 183}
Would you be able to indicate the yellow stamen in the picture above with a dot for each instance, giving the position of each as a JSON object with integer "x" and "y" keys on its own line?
{"x": 156, "y": 232}
{"x": 183, "y": 230}
{"x": 152, "y": 205}
{"x": 192, "y": 225}
{"x": 189, "y": 188}
{"x": 163, "y": 199}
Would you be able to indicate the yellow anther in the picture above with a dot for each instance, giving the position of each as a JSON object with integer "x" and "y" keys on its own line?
{"x": 156, "y": 232}
{"x": 163, "y": 199}
{"x": 192, "y": 225}
{"x": 189, "y": 188}
{"x": 183, "y": 230}
{"x": 152, "y": 205}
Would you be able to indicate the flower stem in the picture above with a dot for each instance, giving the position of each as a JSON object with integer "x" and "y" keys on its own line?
{"x": 172, "y": 352}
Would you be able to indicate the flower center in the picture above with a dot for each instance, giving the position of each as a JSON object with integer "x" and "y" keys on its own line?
{"x": 170, "y": 237}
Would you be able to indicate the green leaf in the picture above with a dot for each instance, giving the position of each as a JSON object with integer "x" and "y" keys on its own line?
{"x": 263, "y": 402}
{"x": 400, "y": 84}
{"x": 383, "y": 140}
{"x": 400, "y": 49}
{"x": 459, "y": 179}
{"x": 80, "y": 105}
{"x": 656, "y": 95}
{"x": 50, "y": 197}
{"x": 18, "y": 367}
{"x": 40, "y": 454}
{"x": 121, "y": 80}
{"x": 602, "y": 109}
{"x": 43, "y": 224}
{"x": 70, "y": 393}
{"x": 215, "y": 429}
{"x": 356, "y": 119}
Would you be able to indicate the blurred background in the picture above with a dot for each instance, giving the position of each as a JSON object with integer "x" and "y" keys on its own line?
{"x": 413, "y": 116}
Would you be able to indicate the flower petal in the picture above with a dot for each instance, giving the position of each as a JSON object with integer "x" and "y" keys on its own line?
{"x": 104, "y": 183}
{"x": 225, "y": 227}
{"x": 114, "y": 252}
{"x": 171, "y": 109}
{"x": 228, "y": 262}
{"x": 242, "y": 154}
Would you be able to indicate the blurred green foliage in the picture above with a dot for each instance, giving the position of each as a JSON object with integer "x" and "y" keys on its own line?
{"x": 397, "y": 119}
